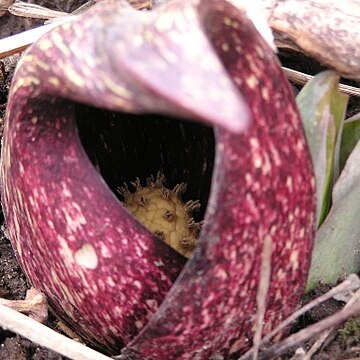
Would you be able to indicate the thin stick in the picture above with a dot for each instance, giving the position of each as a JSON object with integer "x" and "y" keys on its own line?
{"x": 19, "y": 42}
{"x": 44, "y": 336}
{"x": 318, "y": 343}
{"x": 351, "y": 283}
{"x": 34, "y": 305}
{"x": 310, "y": 331}
{"x": 301, "y": 78}
{"x": 263, "y": 288}
{"x": 331, "y": 331}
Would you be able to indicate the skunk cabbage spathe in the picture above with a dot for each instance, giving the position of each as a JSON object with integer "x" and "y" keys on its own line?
{"x": 190, "y": 89}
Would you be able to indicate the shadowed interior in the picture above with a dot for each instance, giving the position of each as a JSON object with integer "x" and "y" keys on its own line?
{"x": 125, "y": 146}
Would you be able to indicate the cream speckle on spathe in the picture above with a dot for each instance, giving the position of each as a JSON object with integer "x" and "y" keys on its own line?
{"x": 86, "y": 256}
{"x": 252, "y": 81}
{"x": 265, "y": 93}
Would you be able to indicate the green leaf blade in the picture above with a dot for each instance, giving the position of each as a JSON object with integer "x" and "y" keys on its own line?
{"x": 322, "y": 107}
{"x": 350, "y": 136}
{"x": 337, "y": 243}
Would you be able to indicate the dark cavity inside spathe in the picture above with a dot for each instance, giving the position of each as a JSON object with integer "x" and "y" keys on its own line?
{"x": 124, "y": 146}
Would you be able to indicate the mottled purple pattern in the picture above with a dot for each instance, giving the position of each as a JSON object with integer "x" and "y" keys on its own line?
{"x": 263, "y": 187}
{"x": 101, "y": 270}
{"x": 57, "y": 204}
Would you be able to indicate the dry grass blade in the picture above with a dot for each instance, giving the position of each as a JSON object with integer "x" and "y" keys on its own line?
{"x": 4, "y": 5}
{"x": 85, "y": 6}
{"x": 20, "y": 8}
{"x": 19, "y": 42}
{"x": 44, "y": 336}
{"x": 301, "y": 78}
{"x": 23, "y": 9}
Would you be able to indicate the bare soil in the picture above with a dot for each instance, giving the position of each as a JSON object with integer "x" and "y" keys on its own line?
{"x": 13, "y": 285}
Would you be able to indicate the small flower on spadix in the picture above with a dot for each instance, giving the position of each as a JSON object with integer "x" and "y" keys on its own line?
{"x": 163, "y": 212}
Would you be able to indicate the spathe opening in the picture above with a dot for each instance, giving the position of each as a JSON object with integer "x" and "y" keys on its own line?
{"x": 123, "y": 147}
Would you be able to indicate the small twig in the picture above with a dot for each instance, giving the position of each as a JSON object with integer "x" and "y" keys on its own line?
{"x": 326, "y": 334}
{"x": 34, "y": 305}
{"x": 263, "y": 288}
{"x": 312, "y": 330}
{"x": 44, "y": 336}
{"x": 351, "y": 283}
{"x": 19, "y": 42}
{"x": 301, "y": 78}
{"x": 318, "y": 344}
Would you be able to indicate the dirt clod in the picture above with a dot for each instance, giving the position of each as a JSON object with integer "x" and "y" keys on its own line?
{"x": 11, "y": 349}
{"x": 12, "y": 278}
{"x": 16, "y": 348}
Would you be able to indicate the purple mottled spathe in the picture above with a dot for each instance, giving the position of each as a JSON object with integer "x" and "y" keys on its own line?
{"x": 103, "y": 272}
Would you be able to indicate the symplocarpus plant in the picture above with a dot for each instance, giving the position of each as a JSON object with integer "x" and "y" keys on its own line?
{"x": 190, "y": 89}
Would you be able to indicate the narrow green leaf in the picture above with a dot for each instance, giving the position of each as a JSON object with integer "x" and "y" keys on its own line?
{"x": 350, "y": 136}
{"x": 322, "y": 107}
{"x": 337, "y": 244}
